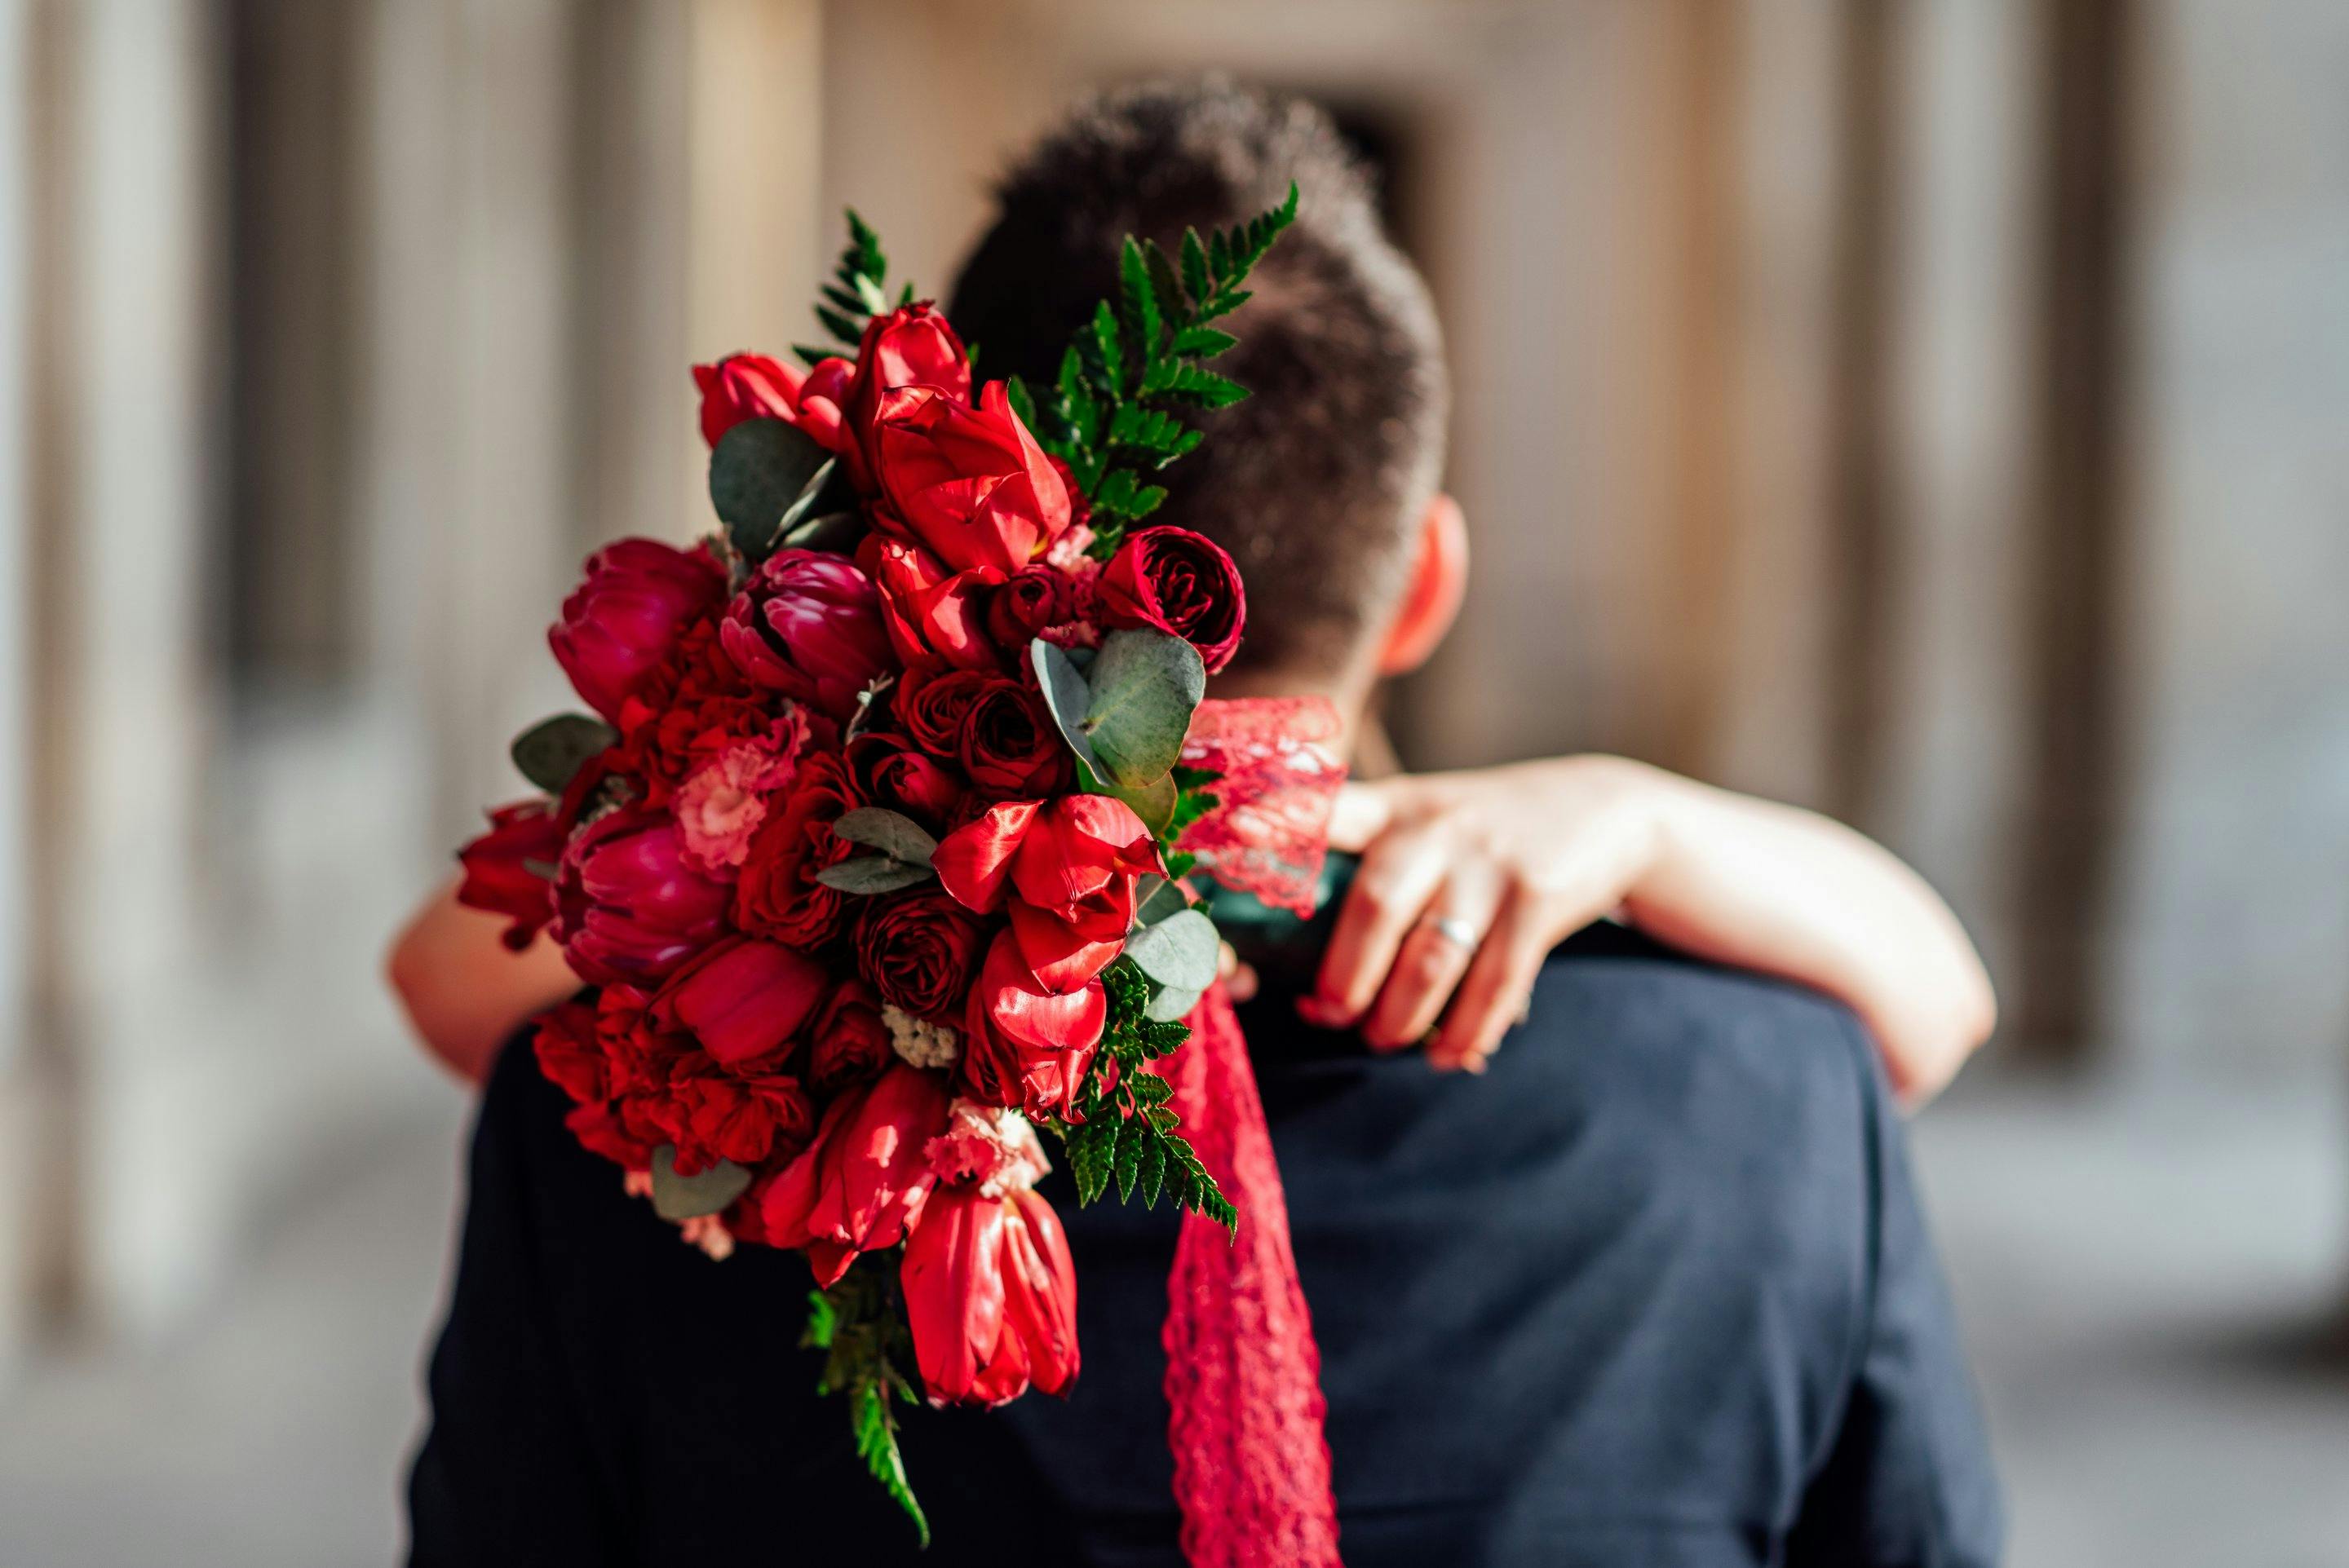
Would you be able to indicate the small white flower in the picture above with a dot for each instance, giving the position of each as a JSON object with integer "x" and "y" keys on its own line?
{"x": 918, "y": 1042}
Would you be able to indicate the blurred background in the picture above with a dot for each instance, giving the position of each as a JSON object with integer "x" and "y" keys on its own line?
{"x": 1935, "y": 411}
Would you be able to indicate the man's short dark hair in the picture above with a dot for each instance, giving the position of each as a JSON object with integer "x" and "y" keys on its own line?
{"x": 1315, "y": 482}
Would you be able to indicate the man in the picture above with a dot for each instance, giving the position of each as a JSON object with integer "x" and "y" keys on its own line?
{"x": 1650, "y": 1289}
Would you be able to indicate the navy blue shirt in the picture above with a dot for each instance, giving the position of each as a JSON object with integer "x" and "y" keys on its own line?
{"x": 1654, "y": 1290}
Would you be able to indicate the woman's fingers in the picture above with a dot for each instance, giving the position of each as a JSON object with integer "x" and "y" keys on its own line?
{"x": 1359, "y": 814}
{"x": 1399, "y": 874}
{"x": 1435, "y": 952}
{"x": 1498, "y": 987}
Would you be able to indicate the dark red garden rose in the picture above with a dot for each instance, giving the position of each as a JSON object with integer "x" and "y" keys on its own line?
{"x": 916, "y": 951}
{"x": 1024, "y": 603}
{"x": 571, "y": 1052}
{"x": 808, "y": 625}
{"x": 1172, "y": 580}
{"x": 1010, "y": 745}
{"x": 777, "y": 895}
{"x": 1023, "y": 1044}
{"x": 912, "y": 345}
{"x": 932, "y": 704}
{"x": 887, "y": 770}
{"x": 990, "y": 1297}
{"x": 848, "y": 1043}
{"x": 621, "y": 622}
{"x": 969, "y": 485}
{"x": 936, "y": 618}
{"x": 754, "y": 387}
{"x": 628, "y": 905}
{"x": 508, "y": 870}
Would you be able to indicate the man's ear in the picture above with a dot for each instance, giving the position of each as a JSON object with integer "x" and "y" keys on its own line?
{"x": 1431, "y": 597}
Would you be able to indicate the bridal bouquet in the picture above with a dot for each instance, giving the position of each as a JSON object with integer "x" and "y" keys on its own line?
{"x": 873, "y": 853}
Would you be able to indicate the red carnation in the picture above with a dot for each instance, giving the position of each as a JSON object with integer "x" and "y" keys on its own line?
{"x": 506, "y": 870}
{"x": 777, "y": 895}
{"x": 970, "y": 485}
{"x": 621, "y": 622}
{"x": 918, "y": 950}
{"x": 570, "y": 1051}
{"x": 754, "y": 387}
{"x": 718, "y": 1116}
{"x": 1172, "y": 580}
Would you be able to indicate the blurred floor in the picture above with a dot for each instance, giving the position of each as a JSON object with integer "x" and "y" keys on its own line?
{"x": 2146, "y": 1279}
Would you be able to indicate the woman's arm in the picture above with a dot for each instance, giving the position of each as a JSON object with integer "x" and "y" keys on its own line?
{"x": 1518, "y": 857}
{"x": 464, "y": 989}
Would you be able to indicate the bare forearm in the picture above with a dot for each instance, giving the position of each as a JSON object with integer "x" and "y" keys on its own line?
{"x": 463, "y": 989}
{"x": 1790, "y": 892}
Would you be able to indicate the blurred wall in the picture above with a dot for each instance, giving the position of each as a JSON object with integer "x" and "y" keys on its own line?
{"x": 1927, "y": 409}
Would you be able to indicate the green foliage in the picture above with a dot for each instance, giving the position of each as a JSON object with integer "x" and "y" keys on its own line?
{"x": 1128, "y": 1138}
{"x": 765, "y": 478}
{"x": 858, "y": 292}
{"x": 1133, "y": 374}
{"x": 1125, "y": 714}
{"x": 707, "y": 1191}
{"x": 860, "y": 1326}
{"x": 550, "y": 752}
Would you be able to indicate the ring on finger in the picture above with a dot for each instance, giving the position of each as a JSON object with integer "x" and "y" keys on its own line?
{"x": 1462, "y": 933}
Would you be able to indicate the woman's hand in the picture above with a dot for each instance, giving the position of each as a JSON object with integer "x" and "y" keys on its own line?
{"x": 1469, "y": 879}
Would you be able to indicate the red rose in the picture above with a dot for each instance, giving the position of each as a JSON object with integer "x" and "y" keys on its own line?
{"x": 886, "y": 770}
{"x": 916, "y": 951}
{"x": 1010, "y": 745}
{"x": 1172, "y": 580}
{"x": 912, "y": 345}
{"x": 693, "y": 709}
{"x": 777, "y": 895}
{"x": 571, "y": 1053}
{"x": 1027, "y": 602}
{"x": 848, "y": 1043}
{"x": 932, "y": 704}
{"x": 621, "y": 622}
{"x": 991, "y": 1297}
{"x": 809, "y": 626}
{"x": 970, "y": 485}
{"x": 752, "y": 386}
{"x": 628, "y": 906}
{"x": 500, "y": 878}
{"x": 1023, "y": 1044}
{"x": 935, "y": 617}
{"x": 866, "y": 1175}
{"x": 743, "y": 999}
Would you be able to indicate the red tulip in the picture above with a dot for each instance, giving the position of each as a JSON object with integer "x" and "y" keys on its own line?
{"x": 970, "y": 485}
{"x": 863, "y": 1180}
{"x": 629, "y": 907}
{"x": 743, "y": 999}
{"x": 808, "y": 625}
{"x": 991, "y": 1296}
{"x": 936, "y": 618}
{"x": 506, "y": 870}
{"x": 912, "y": 345}
{"x": 754, "y": 387}
{"x": 620, "y": 624}
{"x": 1024, "y": 1045}
{"x": 1071, "y": 861}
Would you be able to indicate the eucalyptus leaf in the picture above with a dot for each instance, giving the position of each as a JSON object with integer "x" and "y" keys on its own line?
{"x": 1066, "y": 695}
{"x": 550, "y": 752}
{"x": 833, "y": 532}
{"x": 1171, "y": 1005}
{"x": 758, "y": 470}
{"x": 1144, "y": 686}
{"x": 1153, "y": 803}
{"x": 894, "y": 834}
{"x": 1155, "y": 898}
{"x": 677, "y": 1197}
{"x": 867, "y": 875}
{"x": 1179, "y": 952}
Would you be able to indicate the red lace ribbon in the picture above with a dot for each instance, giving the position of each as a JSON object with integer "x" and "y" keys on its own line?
{"x": 1243, "y": 1373}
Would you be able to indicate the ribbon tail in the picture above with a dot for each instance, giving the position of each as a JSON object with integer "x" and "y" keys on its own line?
{"x": 1243, "y": 1373}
